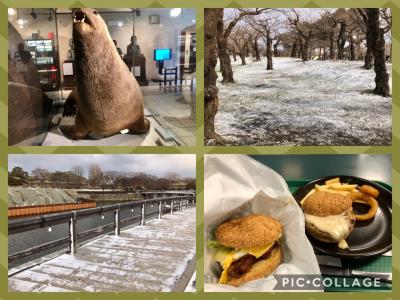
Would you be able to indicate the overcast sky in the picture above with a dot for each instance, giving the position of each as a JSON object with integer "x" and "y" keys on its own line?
{"x": 154, "y": 164}
{"x": 281, "y": 14}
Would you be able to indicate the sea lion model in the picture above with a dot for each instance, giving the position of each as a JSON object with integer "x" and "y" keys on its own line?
{"x": 108, "y": 98}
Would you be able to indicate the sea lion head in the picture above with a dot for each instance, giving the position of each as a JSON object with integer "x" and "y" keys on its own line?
{"x": 90, "y": 33}
{"x": 87, "y": 20}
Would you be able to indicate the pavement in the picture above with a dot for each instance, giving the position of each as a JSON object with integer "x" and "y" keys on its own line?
{"x": 157, "y": 257}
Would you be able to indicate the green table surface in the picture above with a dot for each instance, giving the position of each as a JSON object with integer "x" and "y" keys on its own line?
{"x": 308, "y": 167}
{"x": 300, "y": 169}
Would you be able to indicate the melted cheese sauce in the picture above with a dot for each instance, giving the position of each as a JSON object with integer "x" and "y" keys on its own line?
{"x": 343, "y": 244}
{"x": 335, "y": 225}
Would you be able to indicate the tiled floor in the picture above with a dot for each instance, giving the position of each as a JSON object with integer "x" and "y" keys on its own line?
{"x": 174, "y": 112}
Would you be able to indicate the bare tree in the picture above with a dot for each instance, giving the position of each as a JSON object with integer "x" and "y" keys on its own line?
{"x": 304, "y": 30}
{"x": 253, "y": 43}
{"x": 78, "y": 172}
{"x": 172, "y": 176}
{"x": 369, "y": 55}
{"x": 42, "y": 174}
{"x": 263, "y": 26}
{"x": 96, "y": 175}
{"x": 239, "y": 41}
{"x": 211, "y": 19}
{"x": 223, "y": 33}
{"x": 378, "y": 48}
{"x": 278, "y": 41}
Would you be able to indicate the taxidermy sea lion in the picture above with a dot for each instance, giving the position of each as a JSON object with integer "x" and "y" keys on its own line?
{"x": 107, "y": 96}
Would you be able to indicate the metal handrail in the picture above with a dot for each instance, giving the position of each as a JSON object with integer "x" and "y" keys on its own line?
{"x": 30, "y": 223}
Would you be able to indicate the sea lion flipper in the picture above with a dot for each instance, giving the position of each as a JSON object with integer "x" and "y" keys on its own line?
{"x": 141, "y": 126}
{"x": 77, "y": 131}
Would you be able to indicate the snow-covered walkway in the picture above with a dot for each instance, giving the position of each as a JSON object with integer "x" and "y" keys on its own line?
{"x": 303, "y": 103}
{"x": 144, "y": 258}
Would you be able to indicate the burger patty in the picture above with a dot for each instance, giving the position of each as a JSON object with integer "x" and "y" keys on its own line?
{"x": 244, "y": 264}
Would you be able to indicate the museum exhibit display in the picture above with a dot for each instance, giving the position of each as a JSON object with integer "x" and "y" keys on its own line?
{"x": 139, "y": 58}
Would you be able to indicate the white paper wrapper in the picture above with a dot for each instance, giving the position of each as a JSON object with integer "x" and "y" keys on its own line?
{"x": 237, "y": 185}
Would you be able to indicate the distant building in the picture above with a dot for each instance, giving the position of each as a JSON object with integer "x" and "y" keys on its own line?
{"x": 179, "y": 185}
{"x": 27, "y": 201}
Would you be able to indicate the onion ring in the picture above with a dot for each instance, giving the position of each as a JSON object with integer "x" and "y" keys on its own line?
{"x": 359, "y": 197}
{"x": 369, "y": 190}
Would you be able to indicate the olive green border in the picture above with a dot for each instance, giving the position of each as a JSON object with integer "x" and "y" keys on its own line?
{"x": 200, "y": 150}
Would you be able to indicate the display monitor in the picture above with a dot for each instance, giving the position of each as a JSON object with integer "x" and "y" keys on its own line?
{"x": 162, "y": 54}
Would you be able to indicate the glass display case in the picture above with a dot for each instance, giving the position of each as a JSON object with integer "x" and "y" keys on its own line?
{"x": 43, "y": 52}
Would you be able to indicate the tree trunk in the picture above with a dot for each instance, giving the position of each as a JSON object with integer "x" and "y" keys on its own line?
{"x": 243, "y": 57}
{"x": 294, "y": 50}
{"x": 352, "y": 48}
{"x": 210, "y": 76}
{"x": 305, "y": 50}
{"x": 256, "y": 49}
{"x": 247, "y": 52}
{"x": 276, "y": 53}
{"x": 269, "y": 53}
{"x": 378, "y": 48}
{"x": 331, "y": 46}
{"x": 224, "y": 59}
{"x": 234, "y": 56}
{"x": 341, "y": 40}
{"x": 369, "y": 55}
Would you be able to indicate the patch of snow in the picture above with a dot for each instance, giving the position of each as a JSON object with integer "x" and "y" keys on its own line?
{"x": 143, "y": 258}
{"x": 303, "y": 103}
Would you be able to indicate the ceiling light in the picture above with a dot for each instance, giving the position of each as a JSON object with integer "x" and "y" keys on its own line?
{"x": 120, "y": 24}
{"x": 19, "y": 19}
{"x": 33, "y": 14}
{"x": 193, "y": 21}
{"x": 50, "y": 18}
{"x": 11, "y": 11}
{"x": 175, "y": 12}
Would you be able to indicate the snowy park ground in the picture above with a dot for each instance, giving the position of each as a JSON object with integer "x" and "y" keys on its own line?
{"x": 303, "y": 103}
{"x": 154, "y": 257}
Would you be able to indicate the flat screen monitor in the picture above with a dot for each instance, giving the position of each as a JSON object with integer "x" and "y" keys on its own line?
{"x": 162, "y": 54}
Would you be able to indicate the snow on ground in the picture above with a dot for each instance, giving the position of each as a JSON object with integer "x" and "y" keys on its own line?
{"x": 144, "y": 258}
{"x": 303, "y": 103}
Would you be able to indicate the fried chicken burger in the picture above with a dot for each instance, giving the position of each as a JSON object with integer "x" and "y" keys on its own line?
{"x": 247, "y": 248}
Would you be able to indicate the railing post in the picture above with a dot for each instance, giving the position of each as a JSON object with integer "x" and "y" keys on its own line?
{"x": 187, "y": 203}
{"x": 159, "y": 209}
{"x": 172, "y": 206}
{"x": 143, "y": 222}
{"x": 180, "y": 204}
{"x": 117, "y": 221}
{"x": 72, "y": 234}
